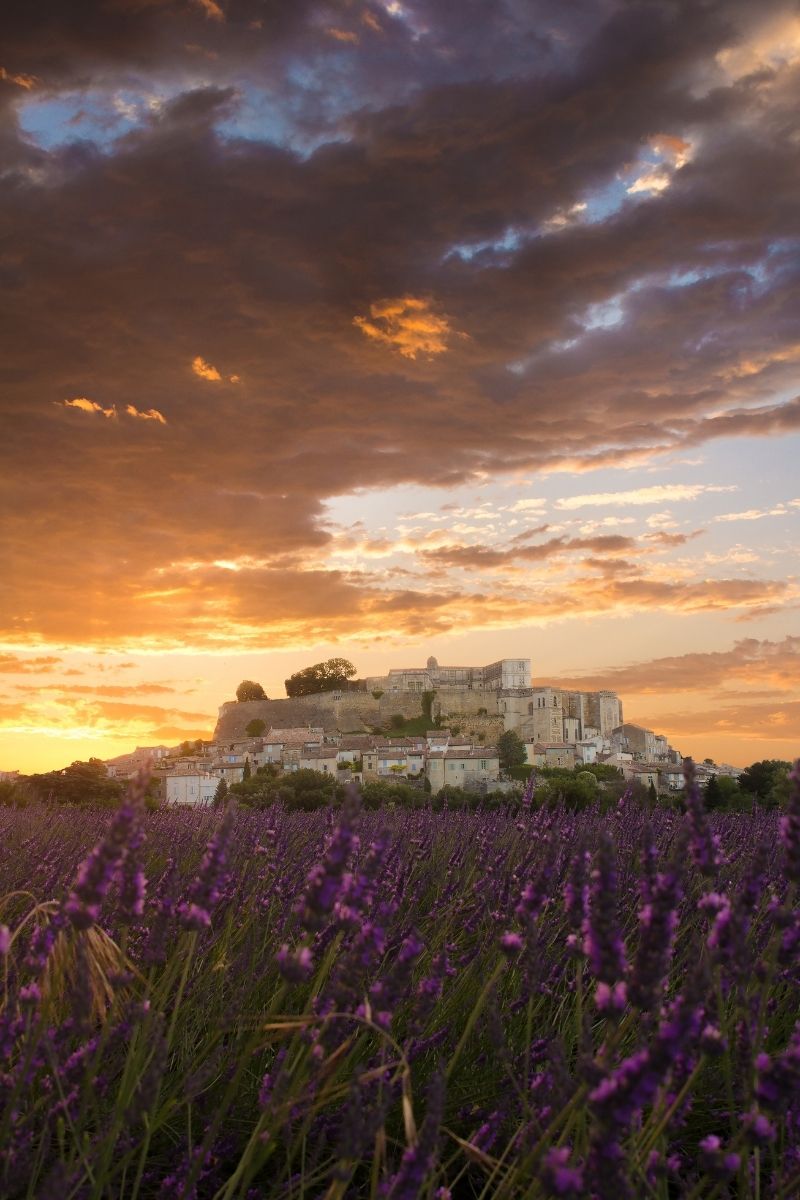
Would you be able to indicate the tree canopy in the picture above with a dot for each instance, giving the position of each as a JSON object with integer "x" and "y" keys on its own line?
{"x": 326, "y": 676}
{"x": 511, "y": 749}
{"x": 79, "y": 783}
{"x": 248, "y": 690}
{"x": 255, "y": 727}
{"x": 765, "y": 780}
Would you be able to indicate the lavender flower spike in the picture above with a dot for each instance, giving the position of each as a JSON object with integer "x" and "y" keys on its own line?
{"x": 704, "y": 845}
{"x": 98, "y": 871}
{"x": 790, "y": 827}
{"x": 204, "y": 893}
{"x": 603, "y": 942}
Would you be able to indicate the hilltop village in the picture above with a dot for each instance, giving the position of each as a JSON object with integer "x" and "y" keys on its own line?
{"x": 433, "y": 725}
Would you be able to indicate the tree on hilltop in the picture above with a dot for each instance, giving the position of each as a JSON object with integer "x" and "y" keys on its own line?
{"x": 255, "y": 728}
{"x": 326, "y": 676}
{"x": 248, "y": 690}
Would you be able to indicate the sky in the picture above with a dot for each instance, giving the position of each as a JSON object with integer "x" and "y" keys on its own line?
{"x": 385, "y": 329}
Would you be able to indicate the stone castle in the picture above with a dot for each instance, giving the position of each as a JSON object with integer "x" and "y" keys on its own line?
{"x": 482, "y": 700}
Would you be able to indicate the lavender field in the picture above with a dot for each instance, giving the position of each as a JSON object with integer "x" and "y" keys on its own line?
{"x": 518, "y": 1003}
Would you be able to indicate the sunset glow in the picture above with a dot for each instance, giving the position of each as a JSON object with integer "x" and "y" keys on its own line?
{"x": 371, "y": 330}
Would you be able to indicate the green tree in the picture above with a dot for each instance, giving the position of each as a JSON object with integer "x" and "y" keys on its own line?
{"x": 712, "y": 794}
{"x": 764, "y": 780}
{"x": 248, "y": 690}
{"x": 221, "y": 794}
{"x": 511, "y": 749}
{"x": 246, "y": 772}
{"x": 13, "y": 793}
{"x": 397, "y": 720}
{"x": 652, "y": 794}
{"x": 329, "y": 676}
{"x": 255, "y": 727}
{"x": 79, "y": 783}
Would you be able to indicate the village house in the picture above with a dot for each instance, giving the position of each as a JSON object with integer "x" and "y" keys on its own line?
{"x": 460, "y": 767}
{"x": 319, "y": 758}
{"x": 643, "y": 773}
{"x": 190, "y": 787}
{"x": 551, "y": 754}
{"x": 285, "y": 746}
{"x": 670, "y": 779}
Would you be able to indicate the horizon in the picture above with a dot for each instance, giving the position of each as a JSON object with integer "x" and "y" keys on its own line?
{"x": 377, "y": 331}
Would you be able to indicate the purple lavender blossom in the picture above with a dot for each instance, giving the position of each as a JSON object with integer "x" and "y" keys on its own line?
{"x": 98, "y": 871}
{"x": 658, "y": 922}
{"x": 603, "y": 944}
{"x": 703, "y": 844}
{"x": 558, "y": 1176}
{"x": 327, "y": 880}
{"x": 206, "y": 889}
{"x": 790, "y": 827}
{"x": 418, "y": 1160}
{"x": 778, "y": 1077}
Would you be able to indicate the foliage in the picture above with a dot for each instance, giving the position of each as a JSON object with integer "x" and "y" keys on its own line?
{"x": 304, "y": 789}
{"x": 426, "y": 704}
{"x": 766, "y": 781}
{"x": 377, "y": 693}
{"x": 188, "y": 747}
{"x": 221, "y": 794}
{"x": 14, "y": 793}
{"x": 255, "y": 727}
{"x": 329, "y": 676}
{"x": 248, "y": 690}
{"x": 511, "y": 749}
{"x": 601, "y": 771}
{"x": 79, "y": 783}
{"x": 397, "y": 721}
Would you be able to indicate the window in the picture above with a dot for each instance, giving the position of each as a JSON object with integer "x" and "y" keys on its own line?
{"x": 484, "y": 764}
{"x": 530, "y": 710}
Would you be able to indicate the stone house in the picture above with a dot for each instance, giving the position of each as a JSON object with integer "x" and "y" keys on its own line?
{"x": 190, "y": 787}
{"x": 460, "y": 766}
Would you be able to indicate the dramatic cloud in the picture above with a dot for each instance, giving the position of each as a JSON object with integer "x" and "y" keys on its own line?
{"x": 266, "y": 259}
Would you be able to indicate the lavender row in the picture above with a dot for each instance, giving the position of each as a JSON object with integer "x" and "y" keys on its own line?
{"x": 512, "y": 1003}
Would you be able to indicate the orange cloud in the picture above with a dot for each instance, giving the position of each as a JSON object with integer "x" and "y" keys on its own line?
{"x": 750, "y": 662}
{"x": 343, "y": 35}
{"x": 150, "y": 414}
{"x": 676, "y": 149}
{"x": 204, "y": 370}
{"x": 408, "y": 325}
{"x": 211, "y": 9}
{"x": 90, "y": 406}
{"x": 23, "y": 81}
